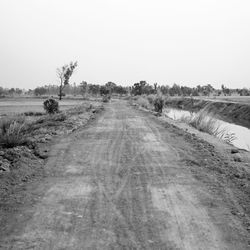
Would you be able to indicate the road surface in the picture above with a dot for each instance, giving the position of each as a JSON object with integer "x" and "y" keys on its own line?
{"x": 127, "y": 182}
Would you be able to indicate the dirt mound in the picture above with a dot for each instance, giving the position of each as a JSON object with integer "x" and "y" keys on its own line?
{"x": 230, "y": 112}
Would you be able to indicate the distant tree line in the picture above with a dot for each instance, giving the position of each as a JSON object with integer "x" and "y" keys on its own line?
{"x": 83, "y": 89}
{"x": 177, "y": 90}
{"x": 65, "y": 72}
{"x": 110, "y": 88}
{"x": 11, "y": 91}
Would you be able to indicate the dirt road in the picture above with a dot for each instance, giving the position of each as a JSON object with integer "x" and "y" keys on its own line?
{"x": 127, "y": 182}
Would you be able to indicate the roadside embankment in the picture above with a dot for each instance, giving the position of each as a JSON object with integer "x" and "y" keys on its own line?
{"x": 237, "y": 113}
{"x": 25, "y": 143}
{"x": 221, "y": 160}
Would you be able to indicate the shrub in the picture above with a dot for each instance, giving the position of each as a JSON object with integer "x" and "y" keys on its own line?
{"x": 12, "y": 132}
{"x": 142, "y": 101}
{"x": 51, "y": 106}
{"x": 158, "y": 104}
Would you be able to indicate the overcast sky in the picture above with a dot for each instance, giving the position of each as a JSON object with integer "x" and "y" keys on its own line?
{"x": 188, "y": 42}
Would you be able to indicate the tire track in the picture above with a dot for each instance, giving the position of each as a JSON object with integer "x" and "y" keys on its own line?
{"x": 121, "y": 184}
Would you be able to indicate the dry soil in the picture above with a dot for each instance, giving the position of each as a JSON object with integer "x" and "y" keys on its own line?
{"x": 128, "y": 181}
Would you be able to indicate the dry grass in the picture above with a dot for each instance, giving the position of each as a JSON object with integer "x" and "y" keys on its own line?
{"x": 142, "y": 101}
{"x": 12, "y": 131}
{"x": 206, "y": 122}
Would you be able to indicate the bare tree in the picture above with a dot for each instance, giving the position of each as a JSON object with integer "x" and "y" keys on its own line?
{"x": 64, "y": 73}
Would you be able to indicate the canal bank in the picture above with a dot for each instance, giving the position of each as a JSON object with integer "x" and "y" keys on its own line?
{"x": 231, "y": 112}
{"x": 236, "y": 135}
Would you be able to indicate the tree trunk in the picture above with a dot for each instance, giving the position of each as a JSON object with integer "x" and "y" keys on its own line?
{"x": 60, "y": 91}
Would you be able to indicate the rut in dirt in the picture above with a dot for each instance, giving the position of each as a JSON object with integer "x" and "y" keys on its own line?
{"x": 124, "y": 183}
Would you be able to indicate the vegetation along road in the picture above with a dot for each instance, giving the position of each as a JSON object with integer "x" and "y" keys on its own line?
{"x": 129, "y": 181}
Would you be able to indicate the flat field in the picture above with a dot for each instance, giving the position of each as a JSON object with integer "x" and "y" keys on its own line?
{"x": 237, "y": 99}
{"x": 20, "y": 105}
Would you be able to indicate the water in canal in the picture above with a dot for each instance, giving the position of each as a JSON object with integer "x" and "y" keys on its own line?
{"x": 242, "y": 134}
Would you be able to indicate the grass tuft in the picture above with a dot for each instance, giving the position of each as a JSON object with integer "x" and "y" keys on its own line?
{"x": 206, "y": 122}
{"x": 12, "y": 131}
{"x": 143, "y": 102}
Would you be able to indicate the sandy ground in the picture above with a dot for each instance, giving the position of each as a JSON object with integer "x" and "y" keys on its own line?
{"x": 128, "y": 181}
